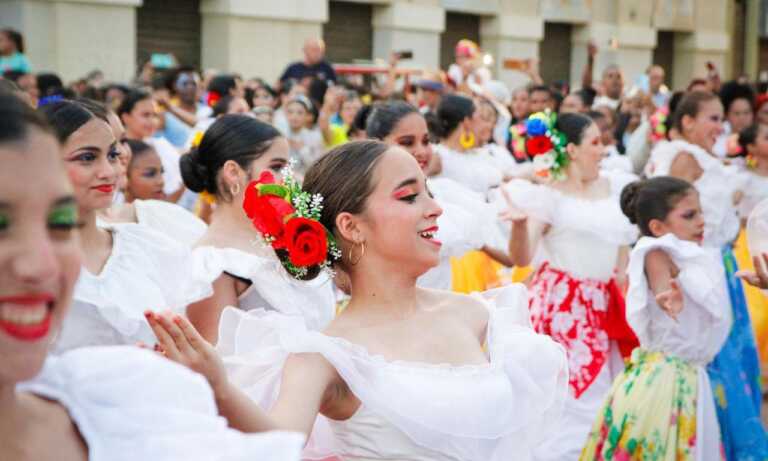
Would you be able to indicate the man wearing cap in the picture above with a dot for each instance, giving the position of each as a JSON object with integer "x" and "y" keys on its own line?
{"x": 430, "y": 90}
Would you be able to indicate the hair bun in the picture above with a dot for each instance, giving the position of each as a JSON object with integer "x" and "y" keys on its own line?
{"x": 193, "y": 173}
{"x": 628, "y": 200}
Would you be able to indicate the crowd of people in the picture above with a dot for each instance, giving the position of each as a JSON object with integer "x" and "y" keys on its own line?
{"x": 199, "y": 265}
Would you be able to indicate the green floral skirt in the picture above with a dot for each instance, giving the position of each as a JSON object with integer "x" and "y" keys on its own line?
{"x": 650, "y": 413}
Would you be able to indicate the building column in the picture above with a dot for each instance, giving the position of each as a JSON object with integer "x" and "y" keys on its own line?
{"x": 511, "y": 36}
{"x": 74, "y": 37}
{"x": 258, "y": 38}
{"x": 403, "y": 26}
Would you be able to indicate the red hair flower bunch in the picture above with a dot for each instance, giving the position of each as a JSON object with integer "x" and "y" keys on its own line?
{"x": 289, "y": 221}
{"x": 546, "y": 146}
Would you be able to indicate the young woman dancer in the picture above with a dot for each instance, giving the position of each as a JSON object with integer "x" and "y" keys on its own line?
{"x": 403, "y": 372}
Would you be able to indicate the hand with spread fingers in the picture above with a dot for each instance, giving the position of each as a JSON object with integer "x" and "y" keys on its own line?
{"x": 512, "y": 214}
{"x": 671, "y": 301}
{"x": 180, "y": 342}
{"x": 759, "y": 277}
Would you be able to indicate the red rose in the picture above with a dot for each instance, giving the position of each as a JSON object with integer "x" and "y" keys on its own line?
{"x": 268, "y": 213}
{"x": 266, "y": 177}
{"x": 538, "y": 145}
{"x": 306, "y": 242}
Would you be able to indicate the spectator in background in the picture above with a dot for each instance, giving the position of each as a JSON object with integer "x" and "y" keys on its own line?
{"x": 761, "y": 109}
{"x": 173, "y": 122}
{"x": 184, "y": 86}
{"x": 51, "y": 88}
{"x": 137, "y": 112}
{"x": 656, "y": 87}
{"x": 259, "y": 94}
{"x": 611, "y": 87}
{"x": 289, "y": 90}
{"x": 12, "y": 52}
{"x": 306, "y": 145}
{"x": 27, "y": 82}
{"x": 313, "y": 67}
{"x": 576, "y": 102}
{"x": 738, "y": 106}
{"x": 114, "y": 95}
{"x": 468, "y": 71}
{"x": 222, "y": 85}
{"x": 540, "y": 99}
{"x": 342, "y": 103}
{"x": 230, "y": 105}
{"x": 520, "y": 105}
{"x": 429, "y": 90}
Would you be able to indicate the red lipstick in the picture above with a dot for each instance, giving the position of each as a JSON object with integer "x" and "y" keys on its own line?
{"x": 106, "y": 188}
{"x": 15, "y": 320}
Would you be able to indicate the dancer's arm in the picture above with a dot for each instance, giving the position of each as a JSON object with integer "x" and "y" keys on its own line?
{"x": 305, "y": 379}
{"x": 205, "y": 314}
{"x": 525, "y": 235}
{"x": 660, "y": 271}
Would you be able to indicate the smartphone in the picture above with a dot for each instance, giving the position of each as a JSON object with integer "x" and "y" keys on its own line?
{"x": 162, "y": 60}
{"x": 404, "y": 54}
{"x": 516, "y": 64}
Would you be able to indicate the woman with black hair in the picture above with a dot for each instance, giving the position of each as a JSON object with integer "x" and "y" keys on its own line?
{"x": 739, "y": 108}
{"x": 573, "y": 232}
{"x": 126, "y": 267}
{"x": 236, "y": 150}
{"x": 12, "y": 57}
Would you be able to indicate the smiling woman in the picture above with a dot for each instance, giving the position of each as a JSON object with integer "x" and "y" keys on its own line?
{"x": 123, "y": 264}
{"x": 146, "y": 408}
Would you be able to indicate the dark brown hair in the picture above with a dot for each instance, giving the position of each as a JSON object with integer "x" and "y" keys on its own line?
{"x": 690, "y": 106}
{"x": 649, "y": 199}
{"x": 343, "y": 177}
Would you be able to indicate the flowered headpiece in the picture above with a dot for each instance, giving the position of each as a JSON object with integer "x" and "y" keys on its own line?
{"x": 546, "y": 146}
{"x": 659, "y": 124}
{"x": 288, "y": 219}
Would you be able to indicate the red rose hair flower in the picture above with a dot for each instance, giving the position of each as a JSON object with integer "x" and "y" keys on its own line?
{"x": 538, "y": 145}
{"x": 306, "y": 242}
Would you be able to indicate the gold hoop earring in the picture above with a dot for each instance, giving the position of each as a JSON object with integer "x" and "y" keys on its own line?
{"x": 467, "y": 139}
{"x": 235, "y": 190}
{"x": 352, "y": 261}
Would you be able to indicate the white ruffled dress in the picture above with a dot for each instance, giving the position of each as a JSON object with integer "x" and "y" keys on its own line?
{"x": 701, "y": 327}
{"x": 272, "y": 288}
{"x": 146, "y": 270}
{"x": 170, "y": 219}
{"x": 468, "y": 223}
{"x": 474, "y": 169}
{"x": 583, "y": 240}
{"x": 415, "y": 411}
{"x": 717, "y": 186}
{"x": 129, "y": 404}
{"x": 755, "y": 188}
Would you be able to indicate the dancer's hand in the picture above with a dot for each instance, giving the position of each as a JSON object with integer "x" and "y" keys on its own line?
{"x": 758, "y": 278}
{"x": 512, "y": 214}
{"x": 671, "y": 301}
{"x": 180, "y": 342}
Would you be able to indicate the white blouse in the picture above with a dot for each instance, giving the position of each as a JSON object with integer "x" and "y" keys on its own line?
{"x": 146, "y": 270}
{"x": 755, "y": 188}
{"x": 415, "y": 411}
{"x": 716, "y": 187}
{"x": 170, "y": 219}
{"x": 129, "y": 404}
{"x": 584, "y": 236}
{"x": 272, "y": 288}
{"x": 473, "y": 169}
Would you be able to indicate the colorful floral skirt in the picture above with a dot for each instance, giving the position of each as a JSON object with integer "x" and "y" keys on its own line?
{"x": 735, "y": 378}
{"x": 651, "y": 413}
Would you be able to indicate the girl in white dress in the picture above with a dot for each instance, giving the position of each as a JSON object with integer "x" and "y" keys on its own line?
{"x": 578, "y": 236}
{"x": 734, "y": 372}
{"x": 402, "y": 373}
{"x": 127, "y": 267}
{"x": 93, "y": 404}
{"x": 235, "y": 150}
{"x": 662, "y": 406}
{"x": 468, "y": 222}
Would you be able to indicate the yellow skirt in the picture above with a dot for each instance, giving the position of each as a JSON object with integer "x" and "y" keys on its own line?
{"x": 756, "y": 300}
{"x": 476, "y": 271}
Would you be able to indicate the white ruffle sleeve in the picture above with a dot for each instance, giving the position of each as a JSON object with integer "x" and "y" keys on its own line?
{"x": 272, "y": 287}
{"x": 146, "y": 270}
{"x": 170, "y": 219}
{"x": 705, "y": 321}
{"x": 130, "y": 404}
{"x": 494, "y": 412}
{"x": 602, "y": 217}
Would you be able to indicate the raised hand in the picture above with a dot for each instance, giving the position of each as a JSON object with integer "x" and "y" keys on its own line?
{"x": 671, "y": 301}
{"x": 178, "y": 340}
{"x": 512, "y": 214}
{"x": 758, "y": 278}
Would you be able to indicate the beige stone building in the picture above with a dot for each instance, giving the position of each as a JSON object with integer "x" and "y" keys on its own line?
{"x": 258, "y": 37}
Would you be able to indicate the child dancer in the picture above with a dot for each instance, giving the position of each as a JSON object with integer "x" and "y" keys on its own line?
{"x": 662, "y": 406}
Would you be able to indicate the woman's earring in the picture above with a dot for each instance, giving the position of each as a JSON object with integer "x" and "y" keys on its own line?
{"x": 467, "y": 139}
{"x": 235, "y": 190}
{"x": 352, "y": 260}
